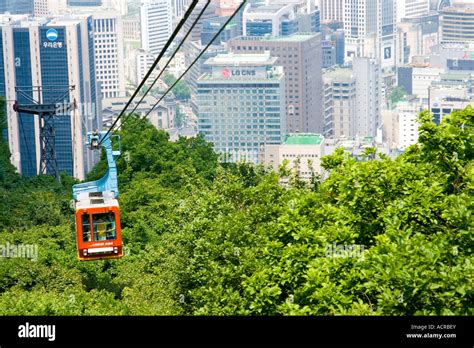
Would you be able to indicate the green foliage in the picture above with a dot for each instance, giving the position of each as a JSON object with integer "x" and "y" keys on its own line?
{"x": 210, "y": 239}
{"x": 398, "y": 94}
{"x": 181, "y": 90}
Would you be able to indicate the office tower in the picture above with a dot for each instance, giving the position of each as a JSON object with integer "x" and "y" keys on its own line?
{"x": 412, "y": 8}
{"x": 241, "y": 104}
{"x": 457, "y": 22}
{"x": 143, "y": 62}
{"x": 17, "y": 6}
{"x": 334, "y": 40}
{"x": 279, "y": 17}
{"x": 407, "y": 116}
{"x": 416, "y": 36}
{"x": 340, "y": 102}
{"x": 131, "y": 29}
{"x": 331, "y": 10}
{"x": 211, "y": 27}
{"x": 156, "y": 28}
{"x": 191, "y": 78}
{"x": 179, "y": 7}
{"x": 370, "y": 30}
{"x": 301, "y": 57}
{"x": 197, "y": 31}
{"x": 368, "y": 96}
{"x": 109, "y": 60}
{"x": 57, "y": 52}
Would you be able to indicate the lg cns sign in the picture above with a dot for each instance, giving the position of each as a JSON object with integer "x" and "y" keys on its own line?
{"x": 52, "y": 37}
{"x": 238, "y": 72}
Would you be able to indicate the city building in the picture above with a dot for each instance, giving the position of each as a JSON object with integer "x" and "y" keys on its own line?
{"x": 300, "y": 55}
{"x": 156, "y": 24}
{"x": 241, "y": 104}
{"x": 109, "y": 54}
{"x": 179, "y": 7}
{"x": 131, "y": 29}
{"x": 331, "y": 10}
{"x": 300, "y": 152}
{"x": 17, "y": 6}
{"x": 449, "y": 93}
{"x": 50, "y": 52}
{"x": 457, "y": 22}
{"x": 211, "y": 27}
{"x": 333, "y": 39}
{"x": 368, "y": 96}
{"x": 370, "y": 28}
{"x": 340, "y": 102}
{"x": 194, "y": 48}
{"x": 209, "y": 13}
{"x": 412, "y": 8}
{"x": 162, "y": 116}
{"x": 400, "y": 124}
{"x": 416, "y": 80}
{"x": 143, "y": 62}
{"x": 281, "y": 17}
{"x": 416, "y": 37}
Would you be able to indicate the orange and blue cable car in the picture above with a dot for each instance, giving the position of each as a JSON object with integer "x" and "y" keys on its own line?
{"x": 98, "y": 232}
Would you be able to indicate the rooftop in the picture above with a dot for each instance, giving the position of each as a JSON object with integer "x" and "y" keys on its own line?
{"x": 304, "y": 139}
{"x": 339, "y": 74}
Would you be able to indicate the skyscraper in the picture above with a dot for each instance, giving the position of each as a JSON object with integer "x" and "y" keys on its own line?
{"x": 412, "y": 8}
{"x": 457, "y": 22}
{"x": 300, "y": 55}
{"x": 241, "y": 104}
{"x": 109, "y": 60}
{"x": 281, "y": 17}
{"x": 17, "y": 6}
{"x": 331, "y": 10}
{"x": 156, "y": 24}
{"x": 368, "y": 96}
{"x": 57, "y": 52}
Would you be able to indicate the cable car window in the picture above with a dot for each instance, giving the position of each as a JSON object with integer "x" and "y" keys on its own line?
{"x": 104, "y": 226}
{"x": 86, "y": 228}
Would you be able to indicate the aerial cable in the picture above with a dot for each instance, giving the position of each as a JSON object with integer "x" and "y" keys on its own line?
{"x": 155, "y": 63}
{"x": 195, "y": 60}
{"x": 169, "y": 61}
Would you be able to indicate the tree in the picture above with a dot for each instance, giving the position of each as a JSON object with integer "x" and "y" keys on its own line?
{"x": 397, "y": 94}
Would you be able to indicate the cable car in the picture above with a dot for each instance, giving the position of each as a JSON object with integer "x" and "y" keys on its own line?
{"x": 98, "y": 233}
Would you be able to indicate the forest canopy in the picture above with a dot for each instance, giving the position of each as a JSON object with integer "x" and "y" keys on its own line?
{"x": 203, "y": 238}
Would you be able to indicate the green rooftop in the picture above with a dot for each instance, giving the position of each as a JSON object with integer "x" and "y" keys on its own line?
{"x": 304, "y": 139}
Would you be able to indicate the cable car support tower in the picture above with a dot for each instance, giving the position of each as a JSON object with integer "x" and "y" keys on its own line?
{"x": 47, "y": 112}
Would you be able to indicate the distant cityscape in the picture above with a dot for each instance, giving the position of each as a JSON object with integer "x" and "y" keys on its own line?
{"x": 287, "y": 81}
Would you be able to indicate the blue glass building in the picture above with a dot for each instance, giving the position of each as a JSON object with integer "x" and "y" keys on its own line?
{"x": 54, "y": 55}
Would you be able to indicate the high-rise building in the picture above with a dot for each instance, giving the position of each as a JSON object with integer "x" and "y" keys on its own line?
{"x": 199, "y": 68}
{"x": 340, "y": 102}
{"x": 300, "y": 55}
{"x": 55, "y": 52}
{"x": 179, "y": 7}
{"x": 331, "y": 10}
{"x": 457, "y": 22}
{"x": 156, "y": 24}
{"x": 281, "y": 17}
{"x": 242, "y": 104}
{"x": 412, "y": 8}
{"x": 370, "y": 28}
{"x": 109, "y": 59}
{"x": 416, "y": 36}
{"x": 17, "y": 6}
{"x": 211, "y": 27}
{"x": 209, "y": 13}
{"x": 368, "y": 96}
